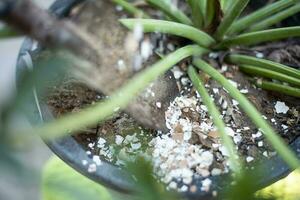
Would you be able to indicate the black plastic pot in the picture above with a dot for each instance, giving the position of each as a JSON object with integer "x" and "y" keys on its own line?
{"x": 107, "y": 174}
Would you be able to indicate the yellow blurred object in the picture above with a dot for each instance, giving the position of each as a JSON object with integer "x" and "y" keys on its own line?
{"x": 285, "y": 189}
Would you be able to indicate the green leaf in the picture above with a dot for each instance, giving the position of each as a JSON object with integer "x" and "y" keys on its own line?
{"x": 274, "y": 19}
{"x": 197, "y": 16}
{"x": 261, "y": 36}
{"x": 130, "y": 8}
{"x": 170, "y": 10}
{"x": 233, "y": 13}
{"x": 235, "y": 164}
{"x": 259, "y": 15}
{"x": 225, "y": 4}
{"x": 263, "y": 63}
{"x": 278, "y": 87}
{"x": 147, "y": 187}
{"x": 61, "y": 182}
{"x": 212, "y": 12}
{"x": 266, "y": 73}
{"x": 7, "y": 32}
{"x": 211, "y": 9}
{"x": 275, "y": 140}
{"x": 181, "y": 30}
{"x": 98, "y": 112}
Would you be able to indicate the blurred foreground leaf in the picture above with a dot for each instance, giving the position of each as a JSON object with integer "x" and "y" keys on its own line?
{"x": 7, "y": 32}
{"x": 61, "y": 182}
{"x": 285, "y": 189}
{"x": 147, "y": 186}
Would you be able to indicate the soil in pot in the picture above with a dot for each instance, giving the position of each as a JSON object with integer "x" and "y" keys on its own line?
{"x": 191, "y": 148}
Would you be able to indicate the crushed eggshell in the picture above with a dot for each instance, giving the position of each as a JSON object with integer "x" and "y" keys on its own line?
{"x": 280, "y": 107}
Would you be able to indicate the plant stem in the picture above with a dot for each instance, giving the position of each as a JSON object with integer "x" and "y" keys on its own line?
{"x": 130, "y": 8}
{"x": 266, "y": 64}
{"x": 98, "y": 112}
{"x": 233, "y": 12}
{"x": 259, "y": 15}
{"x": 182, "y": 30}
{"x": 170, "y": 10}
{"x": 274, "y": 19}
{"x": 261, "y": 36}
{"x": 217, "y": 119}
{"x": 278, "y": 144}
{"x": 267, "y": 73}
{"x": 284, "y": 89}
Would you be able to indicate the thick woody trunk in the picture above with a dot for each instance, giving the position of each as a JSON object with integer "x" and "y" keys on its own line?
{"x": 97, "y": 37}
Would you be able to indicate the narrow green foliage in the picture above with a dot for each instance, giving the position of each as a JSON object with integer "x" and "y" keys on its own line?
{"x": 278, "y": 87}
{"x": 225, "y": 4}
{"x": 62, "y": 182}
{"x": 261, "y": 36}
{"x": 274, "y": 19}
{"x": 147, "y": 187}
{"x": 197, "y": 16}
{"x": 131, "y": 8}
{"x": 210, "y": 12}
{"x": 233, "y": 13}
{"x": 7, "y": 32}
{"x": 100, "y": 111}
{"x": 171, "y": 11}
{"x": 152, "y": 25}
{"x": 277, "y": 142}
{"x": 267, "y": 73}
{"x": 206, "y": 9}
{"x": 217, "y": 119}
{"x": 259, "y": 15}
{"x": 263, "y": 63}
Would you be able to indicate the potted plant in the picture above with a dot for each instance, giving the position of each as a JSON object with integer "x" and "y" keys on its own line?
{"x": 217, "y": 47}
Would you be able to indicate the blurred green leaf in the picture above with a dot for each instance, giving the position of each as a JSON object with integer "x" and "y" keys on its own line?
{"x": 7, "y": 32}
{"x": 285, "y": 189}
{"x": 61, "y": 182}
{"x": 244, "y": 187}
{"x": 148, "y": 188}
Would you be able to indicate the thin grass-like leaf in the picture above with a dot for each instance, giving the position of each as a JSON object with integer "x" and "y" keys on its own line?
{"x": 182, "y": 30}
{"x": 263, "y": 63}
{"x": 210, "y": 13}
{"x": 100, "y": 111}
{"x": 225, "y": 4}
{"x": 170, "y": 10}
{"x": 267, "y": 73}
{"x": 274, "y": 19}
{"x": 233, "y": 13}
{"x": 259, "y": 15}
{"x": 216, "y": 116}
{"x": 277, "y": 142}
{"x": 278, "y": 87}
{"x": 197, "y": 16}
{"x": 130, "y": 8}
{"x": 261, "y": 36}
